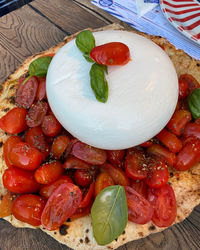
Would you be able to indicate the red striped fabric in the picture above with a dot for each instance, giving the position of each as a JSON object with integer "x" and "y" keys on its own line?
{"x": 184, "y": 15}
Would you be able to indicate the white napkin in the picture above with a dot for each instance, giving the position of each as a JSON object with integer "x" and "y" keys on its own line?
{"x": 145, "y": 6}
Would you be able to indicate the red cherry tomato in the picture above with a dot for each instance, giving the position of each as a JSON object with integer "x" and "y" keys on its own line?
{"x": 158, "y": 174}
{"x": 114, "y": 53}
{"x": 146, "y": 144}
{"x": 164, "y": 203}
{"x": 59, "y": 146}
{"x": 88, "y": 153}
{"x": 14, "y": 121}
{"x": 189, "y": 155}
{"x": 88, "y": 196}
{"x": 162, "y": 152}
{"x": 82, "y": 211}
{"x": 8, "y": 145}
{"x": 140, "y": 187}
{"x": 47, "y": 190}
{"x": 26, "y": 92}
{"x": 61, "y": 205}
{"x": 135, "y": 164}
{"x": 189, "y": 81}
{"x": 49, "y": 172}
{"x": 83, "y": 177}
{"x": 36, "y": 114}
{"x": 178, "y": 121}
{"x": 170, "y": 140}
{"x": 20, "y": 181}
{"x": 116, "y": 174}
{"x": 6, "y": 203}
{"x": 24, "y": 156}
{"x": 35, "y": 138}
{"x": 115, "y": 157}
{"x": 192, "y": 130}
{"x": 140, "y": 210}
{"x": 50, "y": 126}
{"x": 28, "y": 208}
{"x": 75, "y": 163}
{"x": 183, "y": 89}
{"x": 41, "y": 92}
{"x": 103, "y": 180}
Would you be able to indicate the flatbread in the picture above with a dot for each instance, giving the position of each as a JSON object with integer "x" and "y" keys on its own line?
{"x": 78, "y": 234}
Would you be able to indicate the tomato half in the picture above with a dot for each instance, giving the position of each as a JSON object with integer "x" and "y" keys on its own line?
{"x": 47, "y": 190}
{"x": 28, "y": 208}
{"x": 75, "y": 163}
{"x": 6, "y": 203}
{"x": 135, "y": 164}
{"x": 59, "y": 146}
{"x": 82, "y": 211}
{"x": 114, "y": 53}
{"x": 103, "y": 180}
{"x": 20, "y": 181}
{"x": 49, "y": 172}
{"x": 189, "y": 81}
{"x": 41, "y": 92}
{"x": 189, "y": 155}
{"x": 51, "y": 126}
{"x": 88, "y": 153}
{"x": 83, "y": 177}
{"x": 36, "y": 114}
{"x": 164, "y": 203}
{"x": 192, "y": 130}
{"x": 14, "y": 121}
{"x": 26, "y": 92}
{"x": 88, "y": 196}
{"x": 140, "y": 210}
{"x": 61, "y": 205}
{"x": 140, "y": 187}
{"x": 115, "y": 157}
{"x": 24, "y": 156}
{"x": 8, "y": 145}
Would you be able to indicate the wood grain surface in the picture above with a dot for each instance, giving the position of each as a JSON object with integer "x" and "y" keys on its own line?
{"x": 36, "y": 27}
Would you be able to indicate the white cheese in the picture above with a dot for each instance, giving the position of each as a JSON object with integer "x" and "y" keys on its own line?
{"x": 142, "y": 94}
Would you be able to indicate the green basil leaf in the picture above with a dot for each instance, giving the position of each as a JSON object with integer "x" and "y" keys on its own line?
{"x": 39, "y": 66}
{"x": 87, "y": 58}
{"x": 193, "y": 101}
{"x": 109, "y": 214}
{"x": 98, "y": 82}
{"x": 85, "y": 41}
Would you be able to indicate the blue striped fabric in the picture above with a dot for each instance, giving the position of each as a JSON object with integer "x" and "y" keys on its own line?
{"x": 7, "y": 6}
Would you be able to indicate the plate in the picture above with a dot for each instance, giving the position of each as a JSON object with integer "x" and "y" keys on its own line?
{"x": 184, "y": 15}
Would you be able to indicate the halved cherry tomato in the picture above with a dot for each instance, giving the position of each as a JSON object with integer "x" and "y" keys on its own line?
{"x": 36, "y": 138}
{"x": 83, "y": 177}
{"x": 178, "y": 121}
{"x": 49, "y": 172}
{"x": 115, "y": 157}
{"x": 183, "y": 89}
{"x": 59, "y": 146}
{"x": 158, "y": 174}
{"x": 140, "y": 210}
{"x": 114, "y": 53}
{"x": 88, "y": 196}
{"x": 116, "y": 174}
{"x": 103, "y": 180}
{"x": 164, "y": 203}
{"x": 189, "y": 155}
{"x": 82, "y": 211}
{"x": 28, "y": 208}
{"x": 146, "y": 144}
{"x": 170, "y": 140}
{"x": 6, "y": 203}
{"x": 51, "y": 126}
{"x": 9, "y": 143}
{"x": 41, "y": 92}
{"x": 135, "y": 164}
{"x": 20, "y": 181}
{"x": 36, "y": 114}
{"x": 26, "y": 92}
{"x": 162, "y": 152}
{"x": 75, "y": 163}
{"x": 47, "y": 190}
{"x": 24, "y": 156}
{"x": 14, "y": 121}
{"x": 140, "y": 187}
{"x": 190, "y": 81}
{"x": 61, "y": 205}
{"x": 88, "y": 153}
{"x": 192, "y": 130}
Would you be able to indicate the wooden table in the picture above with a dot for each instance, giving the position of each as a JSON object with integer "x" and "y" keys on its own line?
{"x": 34, "y": 28}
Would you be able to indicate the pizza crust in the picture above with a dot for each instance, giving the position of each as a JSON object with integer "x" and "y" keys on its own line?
{"x": 78, "y": 234}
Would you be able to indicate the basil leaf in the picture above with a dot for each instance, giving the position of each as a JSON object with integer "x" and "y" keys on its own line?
{"x": 39, "y": 66}
{"x": 109, "y": 214}
{"x": 87, "y": 58}
{"x": 85, "y": 41}
{"x": 98, "y": 82}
